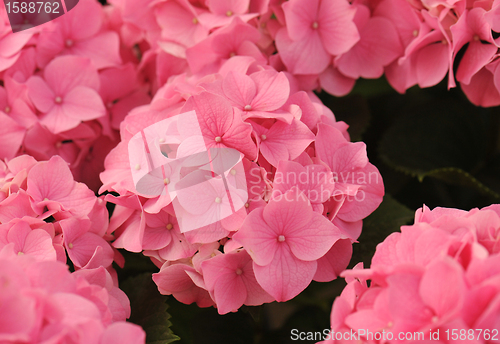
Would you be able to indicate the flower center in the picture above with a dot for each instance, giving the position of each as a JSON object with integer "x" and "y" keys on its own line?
{"x": 239, "y": 272}
{"x": 281, "y": 238}
{"x": 195, "y": 21}
{"x": 166, "y": 181}
{"x": 247, "y": 205}
{"x": 248, "y": 107}
{"x": 218, "y": 139}
{"x": 137, "y": 167}
{"x": 218, "y": 200}
{"x": 7, "y": 109}
{"x": 229, "y": 13}
{"x": 170, "y": 226}
{"x": 233, "y": 171}
{"x": 70, "y": 245}
{"x": 263, "y": 137}
{"x": 476, "y": 38}
{"x": 315, "y": 25}
{"x": 415, "y": 33}
{"x": 69, "y": 42}
{"x": 58, "y": 100}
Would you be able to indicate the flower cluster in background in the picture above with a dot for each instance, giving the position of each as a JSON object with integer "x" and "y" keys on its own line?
{"x": 46, "y": 214}
{"x": 42, "y": 302}
{"x": 438, "y": 276}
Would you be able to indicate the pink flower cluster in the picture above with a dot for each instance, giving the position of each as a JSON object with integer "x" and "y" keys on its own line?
{"x": 332, "y": 43}
{"x": 326, "y": 44}
{"x": 49, "y": 218}
{"x": 46, "y": 214}
{"x": 306, "y": 189}
{"x": 65, "y": 86}
{"x": 438, "y": 279}
{"x": 42, "y": 302}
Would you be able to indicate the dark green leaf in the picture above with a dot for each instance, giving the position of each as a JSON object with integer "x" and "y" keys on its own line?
{"x": 386, "y": 219}
{"x": 446, "y": 139}
{"x": 149, "y": 309}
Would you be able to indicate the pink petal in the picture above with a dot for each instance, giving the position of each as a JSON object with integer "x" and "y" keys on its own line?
{"x": 40, "y": 93}
{"x": 306, "y": 56}
{"x": 51, "y": 179}
{"x": 481, "y": 90}
{"x": 336, "y": 83}
{"x": 66, "y": 72}
{"x": 443, "y": 287}
{"x": 221, "y": 7}
{"x": 336, "y": 26}
{"x": 273, "y": 90}
{"x": 38, "y": 243}
{"x": 431, "y": 64}
{"x": 286, "y": 276}
{"x": 258, "y": 238}
{"x": 334, "y": 261}
{"x": 239, "y": 88}
{"x": 83, "y": 103}
{"x": 379, "y": 45}
{"x": 475, "y": 58}
{"x": 102, "y": 49}
{"x": 12, "y": 135}
{"x": 284, "y": 141}
{"x": 299, "y": 16}
{"x": 16, "y": 206}
{"x": 123, "y": 333}
{"x": 56, "y": 120}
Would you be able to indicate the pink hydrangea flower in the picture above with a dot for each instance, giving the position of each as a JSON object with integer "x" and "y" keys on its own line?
{"x": 285, "y": 239}
{"x": 315, "y": 31}
{"x": 43, "y": 302}
{"x": 434, "y": 276}
{"x": 67, "y": 94}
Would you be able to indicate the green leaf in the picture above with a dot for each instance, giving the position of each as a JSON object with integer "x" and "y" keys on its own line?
{"x": 441, "y": 138}
{"x": 386, "y": 219}
{"x": 372, "y": 87}
{"x": 196, "y": 325}
{"x": 459, "y": 177}
{"x": 149, "y": 309}
{"x": 352, "y": 109}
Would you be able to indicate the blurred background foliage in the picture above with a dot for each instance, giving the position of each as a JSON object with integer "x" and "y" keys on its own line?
{"x": 431, "y": 146}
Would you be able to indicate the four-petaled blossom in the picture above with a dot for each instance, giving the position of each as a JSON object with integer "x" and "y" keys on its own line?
{"x": 284, "y": 239}
{"x": 67, "y": 94}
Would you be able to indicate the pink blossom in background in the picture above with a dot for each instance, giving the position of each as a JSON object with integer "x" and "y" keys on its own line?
{"x": 80, "y": 33}
{"x": 434, "y": 275}
{"x": 315, "y": 31}
{"x": 42, "y": 301}
{"x": 46, "y": 214}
